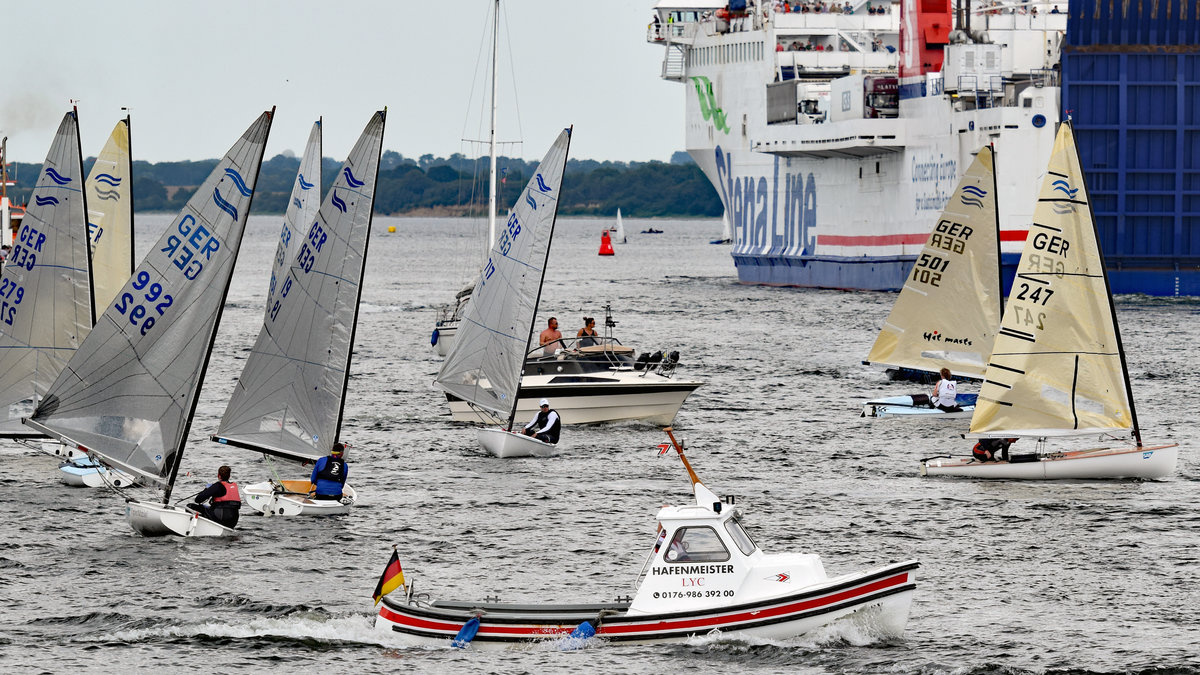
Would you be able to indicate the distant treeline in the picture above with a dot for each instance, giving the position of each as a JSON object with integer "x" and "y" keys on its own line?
{"x": 451, "y": 186}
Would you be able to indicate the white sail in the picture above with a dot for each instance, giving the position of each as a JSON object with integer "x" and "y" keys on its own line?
{"x": 129, "y": 392}
{"x": 289, "y": 398}
{"x": 1056, "y": 367}
{"x": 45, "y": 293}
{"x": 110, "y": 216}
{"x": 301, "y": 209}
{"x": 485, "y": 365}
{"x": 620, "y": 229}
{"x": 948, "y": 311}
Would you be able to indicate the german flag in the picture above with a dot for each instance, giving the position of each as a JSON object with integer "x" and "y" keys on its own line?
{"x": 392, "y": 578}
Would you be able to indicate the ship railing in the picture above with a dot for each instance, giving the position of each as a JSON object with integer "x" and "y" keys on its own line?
{"x": 834, "y": 61}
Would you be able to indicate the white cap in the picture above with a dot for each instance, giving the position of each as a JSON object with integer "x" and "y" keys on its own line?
{"x": 544, "y": 402}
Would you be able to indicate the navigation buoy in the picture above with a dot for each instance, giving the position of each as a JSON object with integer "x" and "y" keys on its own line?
{"x": 605, "y": 244}
{"x": 391, "y": 229}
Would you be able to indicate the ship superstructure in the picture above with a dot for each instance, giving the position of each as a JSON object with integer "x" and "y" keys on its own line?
{"x": 834, "y": 139}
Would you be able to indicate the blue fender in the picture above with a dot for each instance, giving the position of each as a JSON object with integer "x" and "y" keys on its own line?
{"x": 466, "y": 633}
{"x": 434, "y": 338}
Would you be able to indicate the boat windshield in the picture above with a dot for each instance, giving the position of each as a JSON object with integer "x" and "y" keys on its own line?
{"x": 696, "y": 544}
{"x": 740, "y": 537}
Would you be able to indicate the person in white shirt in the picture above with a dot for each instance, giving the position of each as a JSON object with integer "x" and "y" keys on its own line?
{"x": 945, "y": 393}
{"x": 545, "y": 425}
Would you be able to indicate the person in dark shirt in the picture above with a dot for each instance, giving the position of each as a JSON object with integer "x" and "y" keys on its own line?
{"x": 329, "y": 474}
{"x": 226, "y": 501}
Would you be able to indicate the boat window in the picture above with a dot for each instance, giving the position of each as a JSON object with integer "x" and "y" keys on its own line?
{"x": 734, "y": 527}
{"x": 696, "y": 544}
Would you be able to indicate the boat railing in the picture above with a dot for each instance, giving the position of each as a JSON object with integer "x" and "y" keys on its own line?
{"x": 582, "y": 346}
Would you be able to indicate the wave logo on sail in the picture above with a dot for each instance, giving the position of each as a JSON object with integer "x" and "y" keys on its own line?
{"x": 351, "y": 180}
{"x": 241, "y": 184}
{"x": 109, "y": 179}
{"x": 297, "y": 203}
{"x": 224, "y": 205}
{"x": 304, "y": 185}
{"x": 542, "y": 183}
{"x": 108, "y": 195}
{"x": 338, "y": 203}
{"x": 56, "y": 176}
{"x": 708, "y": 104}
{"x": 530, "y": 201}
{"x": 973, "y": 196}
{"x": 1064, "y": 187}
{"x": 45, "y": 201}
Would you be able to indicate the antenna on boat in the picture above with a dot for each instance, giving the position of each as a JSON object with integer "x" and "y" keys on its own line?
{"x": 679, "y": 448}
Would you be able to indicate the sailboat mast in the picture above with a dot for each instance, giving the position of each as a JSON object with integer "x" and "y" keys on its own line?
{"x": 337, "y": 433}
{"x": 212, "y": 337}
{"x": 492, "y": 133}
{"x": 512, "y": 415}
{"x": 87, "y": 228}
{"x": 1112, "y": 308}
{"x": 132, "y": 229}
{"x": 999, "y": 254}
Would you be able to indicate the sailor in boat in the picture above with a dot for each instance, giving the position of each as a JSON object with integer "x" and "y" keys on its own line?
{"x": 549, "y": 338}
{"x": 545, "y": 425}
{"x": 329, "y": 474}
{"x": 587, "y": 335}
{"x": 226, "y": 500}
{"x": 945, "y": 394}
{"x": 992, "y": 449}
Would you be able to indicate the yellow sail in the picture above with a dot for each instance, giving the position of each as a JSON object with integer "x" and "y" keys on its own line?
{"x": 947, "y": 314}
{"x": 110, "y": 217}
{"x": 1056, "y": 367}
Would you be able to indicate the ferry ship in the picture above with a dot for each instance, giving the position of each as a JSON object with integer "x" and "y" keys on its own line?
{"x": 834, "y": 138}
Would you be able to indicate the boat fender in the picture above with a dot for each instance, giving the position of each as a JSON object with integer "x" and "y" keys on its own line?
{"x": 583, "y": 631}
{"x": 466, "y": 633}
{"x": 434, "y": 338}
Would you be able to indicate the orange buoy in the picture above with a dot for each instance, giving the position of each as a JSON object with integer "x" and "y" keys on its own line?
{"x": 605, "y": 244}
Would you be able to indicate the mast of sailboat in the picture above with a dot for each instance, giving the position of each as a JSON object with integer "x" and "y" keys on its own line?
{"x": 492, "y": 133}
{"x": 212, "y": 338}
{"x": 358, "y": 299}
{"x": 1112, "y": 308}
{"x": 999, "y": 260}
{"x": 87, "y": 230}
{"x": 512, "y": 414}
{"x": 132, "y": 228}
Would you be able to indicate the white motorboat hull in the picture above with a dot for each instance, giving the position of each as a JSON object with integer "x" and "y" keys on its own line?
{"x": 93, "y": 475}
{"x": 898, "y": 406}
{"x": 627, "y": 397}
{"x": 879, "y": 599}
{"x": 265, "y": 499}
{"x": 1100, "y": 463}
{"x": 504, "y": 444}
{"x": 156, "y": 520}
{"x": 445, "y": 339}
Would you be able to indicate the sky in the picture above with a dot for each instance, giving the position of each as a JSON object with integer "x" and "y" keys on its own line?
{"x": 195, "y": 74}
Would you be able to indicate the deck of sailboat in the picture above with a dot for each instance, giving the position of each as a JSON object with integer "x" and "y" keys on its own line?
{"x": 1142, "y": 462}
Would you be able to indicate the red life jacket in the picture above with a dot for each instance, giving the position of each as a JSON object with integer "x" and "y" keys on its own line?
{"x": 231, "y": 493}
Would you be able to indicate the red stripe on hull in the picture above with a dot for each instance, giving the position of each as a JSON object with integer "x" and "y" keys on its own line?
{"x": 651, "y": 626}
{"x": 899, "y": 239}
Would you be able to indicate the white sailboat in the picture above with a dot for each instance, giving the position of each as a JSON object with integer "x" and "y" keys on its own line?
{"x": 128, "y": 395}
{"x": 620, "y": 237}
{"x": 291, "y": 395}
{"x": 484, "y": 368}
{"x": 46, "y": 305}
{"x": 109, "y": 190}
{"x": 1058, "y": 368}
{"x": 301, "y": 210}
{"x": 948, "y": 311}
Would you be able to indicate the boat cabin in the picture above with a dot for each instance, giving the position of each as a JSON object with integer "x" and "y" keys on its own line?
{"x": 704, "y": 558}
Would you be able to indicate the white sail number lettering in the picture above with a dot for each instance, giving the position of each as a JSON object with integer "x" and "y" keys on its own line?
{"x": 196, "y": 241}
{"x": 929, "y": 269}
{"x": 12, "y": 295}
{"x": 311, "y": 247}
{"x": 1039, "y": 295}
{"x": 136, "y": 307}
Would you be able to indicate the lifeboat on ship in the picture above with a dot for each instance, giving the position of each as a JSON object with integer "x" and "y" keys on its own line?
{"x": 703, "y": 575}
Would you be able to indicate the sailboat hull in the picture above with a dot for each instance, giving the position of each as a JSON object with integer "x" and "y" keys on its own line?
{"x": 879, "y": 599}
{"x": 504, "y": 444}
{"x": 897, "y": 406}
{"x": 1099, "y": 463}
{"x": 264, "y": 498}
{"x": 83, "y": 472}
{"x": 156, "y": 520}
{"x": 445, "y": 336}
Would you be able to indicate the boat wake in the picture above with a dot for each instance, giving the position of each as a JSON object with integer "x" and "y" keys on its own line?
{"x": 312, "y": 629}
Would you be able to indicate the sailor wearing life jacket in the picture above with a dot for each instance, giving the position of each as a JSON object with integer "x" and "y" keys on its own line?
{"x": 545, "y": 425}
{"x": 329, "y": 474}
{"x": 945, "y": 394}
{"x": 226, "y": 500}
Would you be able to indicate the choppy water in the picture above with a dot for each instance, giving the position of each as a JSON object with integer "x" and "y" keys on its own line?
{"x": 1016, "y": 577}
